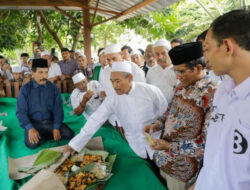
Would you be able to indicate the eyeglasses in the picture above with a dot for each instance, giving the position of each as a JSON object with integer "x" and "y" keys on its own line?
{"x": 179, "y": 72}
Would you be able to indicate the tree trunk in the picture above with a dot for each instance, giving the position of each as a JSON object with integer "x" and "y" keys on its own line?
{"x": 39, "y": 29}
{"x": 53, "y": 33}
{"x": 78, "y": 35}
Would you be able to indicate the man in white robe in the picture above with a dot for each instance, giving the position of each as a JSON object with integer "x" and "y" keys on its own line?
{"x": 135, "y": 104}
{"x": 113, "y": 53}
{"x": 163, "y": 75}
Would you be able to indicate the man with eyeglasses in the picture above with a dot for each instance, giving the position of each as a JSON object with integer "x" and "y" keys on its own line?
{"x": 181, "y": 148}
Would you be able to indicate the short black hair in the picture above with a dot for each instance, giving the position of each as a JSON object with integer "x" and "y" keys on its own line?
{"x": 1, "y": 57}
{"x": 178, "y": 40}
{"x": 201, "y": 36}
{"x": 142, "y": 51}
{"x": 99, "y": 50}
{"x": 72, "y": 51}
{"x": 234, "y": 24}
{"x": 195, "y": 62}
{"x": 64, "y": 49}
{"x": 24, "y": 55}
{"x": 127, "y": 47}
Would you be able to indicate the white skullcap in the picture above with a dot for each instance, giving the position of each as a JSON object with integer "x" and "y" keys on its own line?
{"x": 16, "y": 70}
{"x": 101, "y": 52}
{"x": 163, "y": 43}
{"x": 113, "y": 48}
{"x": 77, "y": 51}
{"x": 134, "y": 52}
{"x": 81, "y": 55}
{"x": 124, "y": 66}
{"x": 78, "y": 78}
{"x": 45, "y": 53}
{"x": 27, "y": 73}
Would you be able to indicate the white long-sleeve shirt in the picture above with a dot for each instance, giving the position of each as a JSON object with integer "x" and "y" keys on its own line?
{"x": 141, "y": 106}
{"x": 164, "y": 79}
{"x": 227, "y": 151}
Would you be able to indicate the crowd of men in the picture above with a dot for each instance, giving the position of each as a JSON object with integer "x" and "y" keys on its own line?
{"x": 192, "y": 98}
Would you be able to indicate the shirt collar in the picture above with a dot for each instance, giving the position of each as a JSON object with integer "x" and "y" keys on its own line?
{"x": 242, "y": 90}
{"x": 36, "y": 85}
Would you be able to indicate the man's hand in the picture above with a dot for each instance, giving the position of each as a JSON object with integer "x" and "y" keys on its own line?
{"x": 69, "y": 149}
{"x": 103, "y": 95}
{"x": 34, "y": 136}
{"x": 160, "y": 144}
{"x": 56, "y": 134}
{"x": 88, "y": 95}
{"x": 151, "y": 128}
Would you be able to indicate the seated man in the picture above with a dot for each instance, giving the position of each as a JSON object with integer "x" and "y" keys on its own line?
{"x": 24, "y": 62}
{"x": 27, "y": 77}
{"x": 67, "y": 65}
{"x": 83, "y": 66}
{"x": 54, "y": 72}
{"x": 17, "y": 74}
{"x": 2, "y": 92}
{"x": 85, "y": 100}
{"x": 181, "y": 148}
{"x": 39, "y": 108}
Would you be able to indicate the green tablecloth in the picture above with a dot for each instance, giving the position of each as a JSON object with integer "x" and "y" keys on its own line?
{"x": 130, "y": 172}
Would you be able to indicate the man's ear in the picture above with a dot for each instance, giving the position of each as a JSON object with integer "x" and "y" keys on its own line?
{"x": 130, "y": 78}
{"x": 199, "y": 68}
{"x": 228, "y": 45}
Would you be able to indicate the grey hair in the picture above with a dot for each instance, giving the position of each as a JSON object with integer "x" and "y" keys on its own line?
{"x": 125, "y": 74}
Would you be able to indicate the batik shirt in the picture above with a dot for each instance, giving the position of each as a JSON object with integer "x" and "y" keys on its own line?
{"x": 185, "y": 128}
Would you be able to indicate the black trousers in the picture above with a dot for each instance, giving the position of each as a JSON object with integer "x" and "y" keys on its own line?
{"x": 45, "y": 129}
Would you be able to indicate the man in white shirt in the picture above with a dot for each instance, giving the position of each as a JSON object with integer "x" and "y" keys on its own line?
{"x": 85, "y": 98}
{"x": 137, "y": 58}
{"x": 24, "y": 62}
{"x": 163, "y": 75}
{"x": 103, "y": 62}
{"x": 54, "y": 69}
{"x": 113, "y": 53}
{"x": 125, "y": 52}
{"x": 135, "y": 104}
{"x": 227, "y": 152}
{"x": 210, "y": 72}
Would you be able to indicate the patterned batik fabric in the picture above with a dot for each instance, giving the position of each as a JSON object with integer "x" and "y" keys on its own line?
{"x": 185, "y": 128}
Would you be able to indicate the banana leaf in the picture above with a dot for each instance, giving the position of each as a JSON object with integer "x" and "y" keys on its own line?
{"x": 43, "y": 160}
{"x": 103, "y": 153}
{"x": 47, "y": 157}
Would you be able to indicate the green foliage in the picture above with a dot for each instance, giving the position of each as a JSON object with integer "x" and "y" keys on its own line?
{"x": 185, "y": 19}
{"x": 11, "y": 34}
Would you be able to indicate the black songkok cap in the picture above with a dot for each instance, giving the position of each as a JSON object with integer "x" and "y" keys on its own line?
{"x": 186, "y": 52}
{"x": 41, "y": 63}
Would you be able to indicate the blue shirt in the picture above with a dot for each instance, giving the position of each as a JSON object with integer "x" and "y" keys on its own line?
{"x": 38, "y": 103}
